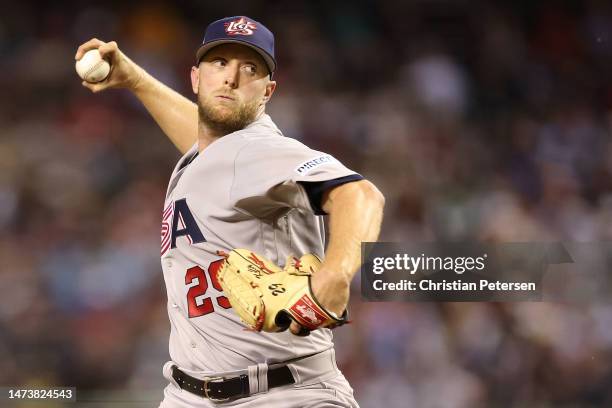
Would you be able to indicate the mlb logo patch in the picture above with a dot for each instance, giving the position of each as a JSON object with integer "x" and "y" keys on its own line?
{"x": 240, "y": 27}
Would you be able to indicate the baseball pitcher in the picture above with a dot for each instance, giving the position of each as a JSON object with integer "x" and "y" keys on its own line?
{"x": 252, "y": 290}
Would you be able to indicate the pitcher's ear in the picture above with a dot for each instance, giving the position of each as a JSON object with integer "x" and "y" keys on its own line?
{"x": 195, "y": 79}
{"x": 270, "y": 87}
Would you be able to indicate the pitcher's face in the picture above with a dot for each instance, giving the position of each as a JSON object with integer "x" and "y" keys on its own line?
{"x": 233, "y": 85}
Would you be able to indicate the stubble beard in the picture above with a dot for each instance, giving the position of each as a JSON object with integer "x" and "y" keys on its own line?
{"x": 227, "y": 118}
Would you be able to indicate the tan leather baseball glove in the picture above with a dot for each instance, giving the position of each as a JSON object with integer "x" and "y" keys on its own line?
{"x": 267, "y": 297}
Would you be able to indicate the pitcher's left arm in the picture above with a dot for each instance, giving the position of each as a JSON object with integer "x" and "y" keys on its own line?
{"x": 355, "y": 212}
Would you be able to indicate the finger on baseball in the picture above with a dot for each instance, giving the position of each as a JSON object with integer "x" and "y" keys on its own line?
{"x": 298, "y": 329}
{"x": 93, "y": 87}
{"x": 108, "y": 49}
{"x": 86, "y": 46}
{"x": 88, "y": 85}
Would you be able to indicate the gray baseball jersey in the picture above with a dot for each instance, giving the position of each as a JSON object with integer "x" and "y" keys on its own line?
{"x": 244, "y": 190}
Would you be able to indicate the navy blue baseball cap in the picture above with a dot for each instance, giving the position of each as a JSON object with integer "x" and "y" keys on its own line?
{"x": 241, "y": 30}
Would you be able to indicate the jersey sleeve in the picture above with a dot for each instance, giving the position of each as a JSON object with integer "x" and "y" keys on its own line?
{"x": 316, "y": 189}
{"x": 284, "y": 173}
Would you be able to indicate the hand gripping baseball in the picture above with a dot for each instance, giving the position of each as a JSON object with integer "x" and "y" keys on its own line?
{"x": 124, "y": 72}
{"x": 268, "y": 298}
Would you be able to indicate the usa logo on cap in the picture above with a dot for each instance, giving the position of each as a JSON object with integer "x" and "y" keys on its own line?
{"x": 240, "y": 27}
{"x": 241, "y": 30}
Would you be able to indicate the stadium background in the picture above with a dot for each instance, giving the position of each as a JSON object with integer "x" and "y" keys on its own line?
{"x": 477, "y": 119}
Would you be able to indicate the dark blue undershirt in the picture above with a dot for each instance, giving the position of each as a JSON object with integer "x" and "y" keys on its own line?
{"x": 316, "y": 189}
{"x": 188, "y": 160}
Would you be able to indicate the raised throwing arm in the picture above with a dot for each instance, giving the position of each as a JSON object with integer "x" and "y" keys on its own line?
{"x": 176, "y": 115}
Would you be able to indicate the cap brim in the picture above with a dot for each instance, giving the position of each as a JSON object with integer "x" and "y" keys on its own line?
{"x": 206, "y": 47}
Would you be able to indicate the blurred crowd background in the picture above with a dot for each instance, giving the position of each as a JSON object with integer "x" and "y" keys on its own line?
{"x": 482, "y": 120}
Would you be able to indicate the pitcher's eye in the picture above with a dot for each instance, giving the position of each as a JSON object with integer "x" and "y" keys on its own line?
{"x": 251, "y": 69}
{"x": 219, "y": 62}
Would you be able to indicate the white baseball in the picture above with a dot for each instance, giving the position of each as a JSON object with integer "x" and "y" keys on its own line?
{"x": 92, "y": 67}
